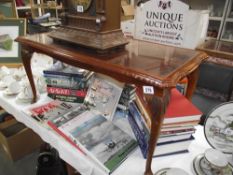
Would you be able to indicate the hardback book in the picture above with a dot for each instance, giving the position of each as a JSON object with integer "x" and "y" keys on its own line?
{"x": 173, "y": 147}
{"x": 42, "y": 112}
{"x": 180, "y": 109}
{"x": 173, "y": 138}
{"x": 65, "y": 81}
{"x": 172, "y": 144}
{"x": 103, "y": 95}
{"x": 67, "y": 91}
{"x": 139, "y": 128}
{"x": 65, "y": 98}
{"x": 66, "y": 94}
{"x": 97, "y": 137}
{"x": 68, "y": 71}
{"x": 127, "y": 96}
{"x": 179, "y": 112}
{"x": 177, "y": 132}
{"x": 120, "y": 119}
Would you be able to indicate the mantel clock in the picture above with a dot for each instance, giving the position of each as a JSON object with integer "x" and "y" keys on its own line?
{"x": 91, "y": 23}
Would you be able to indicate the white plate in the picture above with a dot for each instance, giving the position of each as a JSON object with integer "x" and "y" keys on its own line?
{"x": 218, "y": 128}
{"x": 171, "y": 171}
{"x": 198, "y": 163}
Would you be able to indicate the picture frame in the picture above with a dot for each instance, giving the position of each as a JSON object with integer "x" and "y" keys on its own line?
{"x": 8, "y": 9}
{"x": 10, "y": 51}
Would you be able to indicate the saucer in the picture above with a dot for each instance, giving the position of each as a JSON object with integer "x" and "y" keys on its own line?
{"x": 3, "y": 85}
{"x": 7, "y": 92}
{"x": 171, "y": 171}
{"x": 199, "y": 160}
{"x": 23, "y": 99}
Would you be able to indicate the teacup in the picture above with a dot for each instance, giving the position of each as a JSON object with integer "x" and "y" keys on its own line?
{"x": 4, "y": 71}
{"x": 14, "y": 87}
{"x": 40, "y": 84}
{"x": 214, "y": 162}
{"x": 6, "y": 81}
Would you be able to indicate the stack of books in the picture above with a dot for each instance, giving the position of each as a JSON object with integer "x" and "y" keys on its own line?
{"x": 177, "y": 129}
{"x": 67, "y": 83}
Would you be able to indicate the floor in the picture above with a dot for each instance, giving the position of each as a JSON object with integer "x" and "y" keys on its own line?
{"x": 24, "y": 166}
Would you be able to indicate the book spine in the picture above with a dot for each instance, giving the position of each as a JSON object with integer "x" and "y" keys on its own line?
{"x": 65, "y": 74}
{"x": 143, "y": 111}
{"x": 72, "y": 99}
{"x": 66, "y": 91}
{"x": 142, "y": 142}
{"x": 66, "y": 82}
{"x": 133, "y": 109}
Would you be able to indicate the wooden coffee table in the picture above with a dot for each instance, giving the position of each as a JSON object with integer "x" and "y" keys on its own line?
{"x": 157, "y": 68}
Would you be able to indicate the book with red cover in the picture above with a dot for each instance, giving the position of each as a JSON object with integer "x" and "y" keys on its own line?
{"x": 180, "y": 109}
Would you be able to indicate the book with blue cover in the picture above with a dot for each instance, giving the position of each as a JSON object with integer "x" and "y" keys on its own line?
{"x": 170, "y": 143}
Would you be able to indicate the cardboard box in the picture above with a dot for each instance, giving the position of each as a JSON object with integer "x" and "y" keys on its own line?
{"x": 18, "y": 140}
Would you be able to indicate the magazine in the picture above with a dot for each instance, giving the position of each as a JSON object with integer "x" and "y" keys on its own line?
{"x": 103, "y": 95}
{"x": 97, "y": 137}
{"x": 43, "y": 112}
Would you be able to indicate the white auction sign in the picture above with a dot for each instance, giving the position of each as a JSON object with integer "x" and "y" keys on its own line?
{"x": 162, "y": 21}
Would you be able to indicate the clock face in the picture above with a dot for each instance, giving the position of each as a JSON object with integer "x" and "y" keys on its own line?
{"x": 83, "y": 5}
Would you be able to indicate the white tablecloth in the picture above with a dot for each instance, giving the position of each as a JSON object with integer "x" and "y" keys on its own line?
{"x": 133, "y": 165}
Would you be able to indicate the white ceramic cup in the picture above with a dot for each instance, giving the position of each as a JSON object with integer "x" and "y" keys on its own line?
{"x": 215, "y": 161}
{"x": 14, "y": 87}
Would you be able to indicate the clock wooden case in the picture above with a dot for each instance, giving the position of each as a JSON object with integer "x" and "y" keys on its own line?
{"x": 91, "y": 23}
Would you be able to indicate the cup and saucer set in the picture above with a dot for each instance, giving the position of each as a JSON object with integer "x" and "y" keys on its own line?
{"x": 14, "y": 82}
{"x": 218, "y": 130}
{"x": 218, "y": 160}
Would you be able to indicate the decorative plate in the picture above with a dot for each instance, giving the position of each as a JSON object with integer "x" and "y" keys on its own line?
{"x": 171, "y": 171}
{"x": 202, "y": 168}
{"x": 218, "y": 128}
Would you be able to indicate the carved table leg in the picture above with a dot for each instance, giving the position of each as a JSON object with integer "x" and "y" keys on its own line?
{"x": 192, "y": 81}
{"x": 156, "y": 106}
{"x": 26, "y": 59}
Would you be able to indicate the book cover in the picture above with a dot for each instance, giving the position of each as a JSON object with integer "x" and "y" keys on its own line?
{"x": 104, "y": 142}
{"x": 42, "y": 112}
{"x": 67, "y": 82}
{"x": 103, "y": 95}
{"x": 120, "y": 119}
{"x": 180, "y": 109}
{"x": 142, "y": 134}
{"x": 67, "y": 91}
{"x": 65, "y": 98}
{"x": 67, "y": 71}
